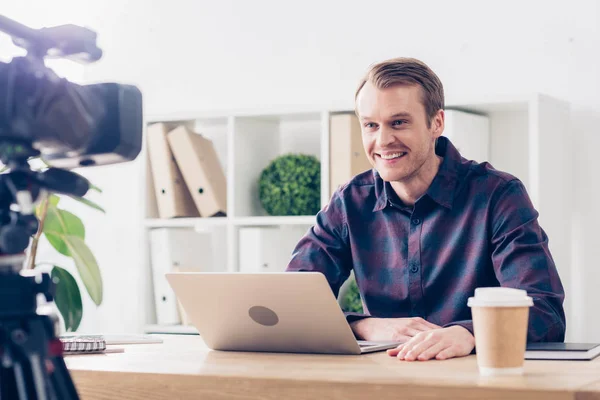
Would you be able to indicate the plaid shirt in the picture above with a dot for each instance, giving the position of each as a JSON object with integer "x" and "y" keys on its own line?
{"x": 475, "y": 227}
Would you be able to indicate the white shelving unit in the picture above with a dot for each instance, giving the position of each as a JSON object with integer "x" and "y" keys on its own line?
{"x": 529, "y": 137}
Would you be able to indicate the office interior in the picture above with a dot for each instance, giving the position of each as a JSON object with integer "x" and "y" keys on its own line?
{"x": 260, "y": 79}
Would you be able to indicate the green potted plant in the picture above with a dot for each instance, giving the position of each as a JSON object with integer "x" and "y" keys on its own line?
{"x": 291, "y": 185}
{"x": 349, "y": 296}
{"x": 66, "y": 234}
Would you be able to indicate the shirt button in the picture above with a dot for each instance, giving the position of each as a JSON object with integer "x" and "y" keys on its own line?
{"x": 416, "y": 221}
{"x": 414, "y": 269}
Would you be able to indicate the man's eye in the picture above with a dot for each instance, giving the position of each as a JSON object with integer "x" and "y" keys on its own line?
{"x": 370, "y": 125}
{"x": 398, "y": 122}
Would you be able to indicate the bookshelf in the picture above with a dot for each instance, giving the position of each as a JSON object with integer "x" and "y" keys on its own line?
{"x": 528, "y": 137}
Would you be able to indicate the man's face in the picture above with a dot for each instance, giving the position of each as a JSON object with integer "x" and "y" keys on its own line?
{"x": 395, "y": 135}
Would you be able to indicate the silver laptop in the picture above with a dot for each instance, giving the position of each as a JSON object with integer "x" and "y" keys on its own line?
{"x": 288, "y": 312}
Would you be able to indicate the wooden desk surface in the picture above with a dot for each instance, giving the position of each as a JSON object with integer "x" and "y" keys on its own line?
{"x": 184, "y": 368}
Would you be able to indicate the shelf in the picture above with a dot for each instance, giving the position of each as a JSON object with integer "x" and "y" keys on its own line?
{"x": 185, "y": 222}
{"x": 199, "y": 223}
{"x": 171, "y": 329}
{"x": 285, "y": 220}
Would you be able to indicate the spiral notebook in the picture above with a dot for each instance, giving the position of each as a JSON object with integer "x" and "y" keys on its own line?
{"x": 87, "y": 344}
{"x": 83, "y": 344}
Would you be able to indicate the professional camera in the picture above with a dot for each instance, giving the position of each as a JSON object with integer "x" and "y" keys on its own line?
{"x": 68, "y": 126}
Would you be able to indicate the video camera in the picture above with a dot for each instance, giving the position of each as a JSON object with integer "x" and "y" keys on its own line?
{"x": 68, "y": 126}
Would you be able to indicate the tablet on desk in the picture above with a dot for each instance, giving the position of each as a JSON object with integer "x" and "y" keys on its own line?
{"x": 562, "y": 351}
{"x": 289, "y": 312}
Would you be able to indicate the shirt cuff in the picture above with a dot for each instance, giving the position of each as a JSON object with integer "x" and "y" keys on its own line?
{"x": 353, "y": 316}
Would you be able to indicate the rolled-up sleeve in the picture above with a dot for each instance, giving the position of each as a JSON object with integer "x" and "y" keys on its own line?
{"x": 522, "y": 260}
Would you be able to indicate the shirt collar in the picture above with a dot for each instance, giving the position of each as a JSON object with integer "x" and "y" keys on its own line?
{"x": 444, "y": 185}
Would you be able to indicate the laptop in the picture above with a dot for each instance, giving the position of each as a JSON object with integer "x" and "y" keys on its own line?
{"x": 281, "y": 312}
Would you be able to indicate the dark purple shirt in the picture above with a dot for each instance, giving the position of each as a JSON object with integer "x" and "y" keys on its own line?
{"x": 474, "y": 227}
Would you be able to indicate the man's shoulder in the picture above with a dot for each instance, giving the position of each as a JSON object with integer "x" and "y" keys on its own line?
{"x": 486, "y": 172}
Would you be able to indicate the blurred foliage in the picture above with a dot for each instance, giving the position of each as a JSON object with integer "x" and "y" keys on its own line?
{"x": 291, "y": 185}
{"x": 351, "y": 301}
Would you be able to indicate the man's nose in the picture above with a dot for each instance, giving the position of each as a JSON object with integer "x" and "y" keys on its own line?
{"x": 385, "y": 137}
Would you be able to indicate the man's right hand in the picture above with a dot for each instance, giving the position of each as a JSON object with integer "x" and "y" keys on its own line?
{"x": 390, "y": 329}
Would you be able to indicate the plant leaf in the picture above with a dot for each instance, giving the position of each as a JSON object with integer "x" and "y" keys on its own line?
{"x": 86, "y": 265}
{"x": 88, "y": 203}
{"x": 96, "y": 188}
{"x": 67, "y": 298}
{"x": 54, "y": 199}
{"x": 60, "y": 223}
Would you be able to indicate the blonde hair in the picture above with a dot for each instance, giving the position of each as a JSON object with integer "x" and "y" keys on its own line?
{"x": 408, "y": 71}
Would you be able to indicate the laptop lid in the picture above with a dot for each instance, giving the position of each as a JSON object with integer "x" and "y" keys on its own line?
{"x": 275, "y": 312}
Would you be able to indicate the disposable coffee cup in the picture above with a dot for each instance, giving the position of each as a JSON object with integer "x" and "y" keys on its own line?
{"x": 500, "y": 319}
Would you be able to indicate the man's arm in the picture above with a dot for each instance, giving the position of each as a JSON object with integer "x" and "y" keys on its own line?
{"x": 325, "y": 248}
{"x": 522, "y": 260}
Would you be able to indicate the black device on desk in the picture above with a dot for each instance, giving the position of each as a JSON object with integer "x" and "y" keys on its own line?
{"x": 562, "y": 351}
{"x": 68, "y": 126}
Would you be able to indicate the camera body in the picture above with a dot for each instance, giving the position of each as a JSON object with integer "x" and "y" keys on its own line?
{"x": 70, "y": 125}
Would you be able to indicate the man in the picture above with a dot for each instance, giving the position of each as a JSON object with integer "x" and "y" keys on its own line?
{"x": 426, "y": 227}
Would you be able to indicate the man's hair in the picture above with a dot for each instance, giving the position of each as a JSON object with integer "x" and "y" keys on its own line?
{"x": 407, "y": 71}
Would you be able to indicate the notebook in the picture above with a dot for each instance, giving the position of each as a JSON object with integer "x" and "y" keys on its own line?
{"x": 562, "y": 351}
{"x": 90, "y": 344}
{"x": 115, "y": 339}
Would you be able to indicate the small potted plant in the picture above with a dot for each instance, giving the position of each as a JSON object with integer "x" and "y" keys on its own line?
{"x": 291, "y": 185}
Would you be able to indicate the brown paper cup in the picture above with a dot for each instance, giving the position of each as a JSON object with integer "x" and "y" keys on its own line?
{"x": 500, "y": 339}
{"x": 500, "y": 321}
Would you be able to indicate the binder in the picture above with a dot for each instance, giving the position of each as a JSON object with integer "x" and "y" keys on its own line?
{"x": 172, "y": 249}
{"x": 172, "y": 196}
{"x": 347, "y": 156}
{"x": 201, "y": 170}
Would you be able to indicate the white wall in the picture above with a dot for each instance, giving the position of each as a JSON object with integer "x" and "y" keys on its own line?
{"x": 205, "y": 55}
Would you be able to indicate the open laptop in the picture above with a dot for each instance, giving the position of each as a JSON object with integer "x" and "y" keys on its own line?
{"x": 288, "y": 312}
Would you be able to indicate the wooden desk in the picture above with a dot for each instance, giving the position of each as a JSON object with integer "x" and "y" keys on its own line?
{"x": 184, "y": 368}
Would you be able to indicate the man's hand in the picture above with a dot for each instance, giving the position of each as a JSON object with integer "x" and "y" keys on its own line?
{"x": 390, "y": 329}
{"x": 454, "y": 341}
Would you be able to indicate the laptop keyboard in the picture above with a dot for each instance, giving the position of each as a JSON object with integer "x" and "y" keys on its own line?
{"x": 364, "y": 343}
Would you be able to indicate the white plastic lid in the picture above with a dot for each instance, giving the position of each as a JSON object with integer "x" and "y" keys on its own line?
{"x": 500, "y": 297}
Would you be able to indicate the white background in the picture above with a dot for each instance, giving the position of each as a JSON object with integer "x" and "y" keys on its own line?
{"x": 210, "y": 55}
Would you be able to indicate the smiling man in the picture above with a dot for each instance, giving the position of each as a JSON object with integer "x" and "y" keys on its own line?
{"x": 425, "y": 227}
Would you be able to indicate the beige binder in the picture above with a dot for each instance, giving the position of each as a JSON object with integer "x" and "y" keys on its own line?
{"x": 201, "y": 170}
{"x": 347, "y": 156}
{"x": 172, "y": 196}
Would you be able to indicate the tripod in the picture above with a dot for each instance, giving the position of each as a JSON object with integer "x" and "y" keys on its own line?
{"x": 31, "y": 362}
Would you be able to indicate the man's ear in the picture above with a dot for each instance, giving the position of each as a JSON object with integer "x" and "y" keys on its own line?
{"x": 438, "y": 123}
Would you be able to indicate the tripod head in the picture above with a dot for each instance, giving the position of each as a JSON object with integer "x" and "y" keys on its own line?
{"x": 21, "y": 188}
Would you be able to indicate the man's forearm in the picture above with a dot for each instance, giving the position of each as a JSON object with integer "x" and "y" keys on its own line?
{"x": 358, "y": 324}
